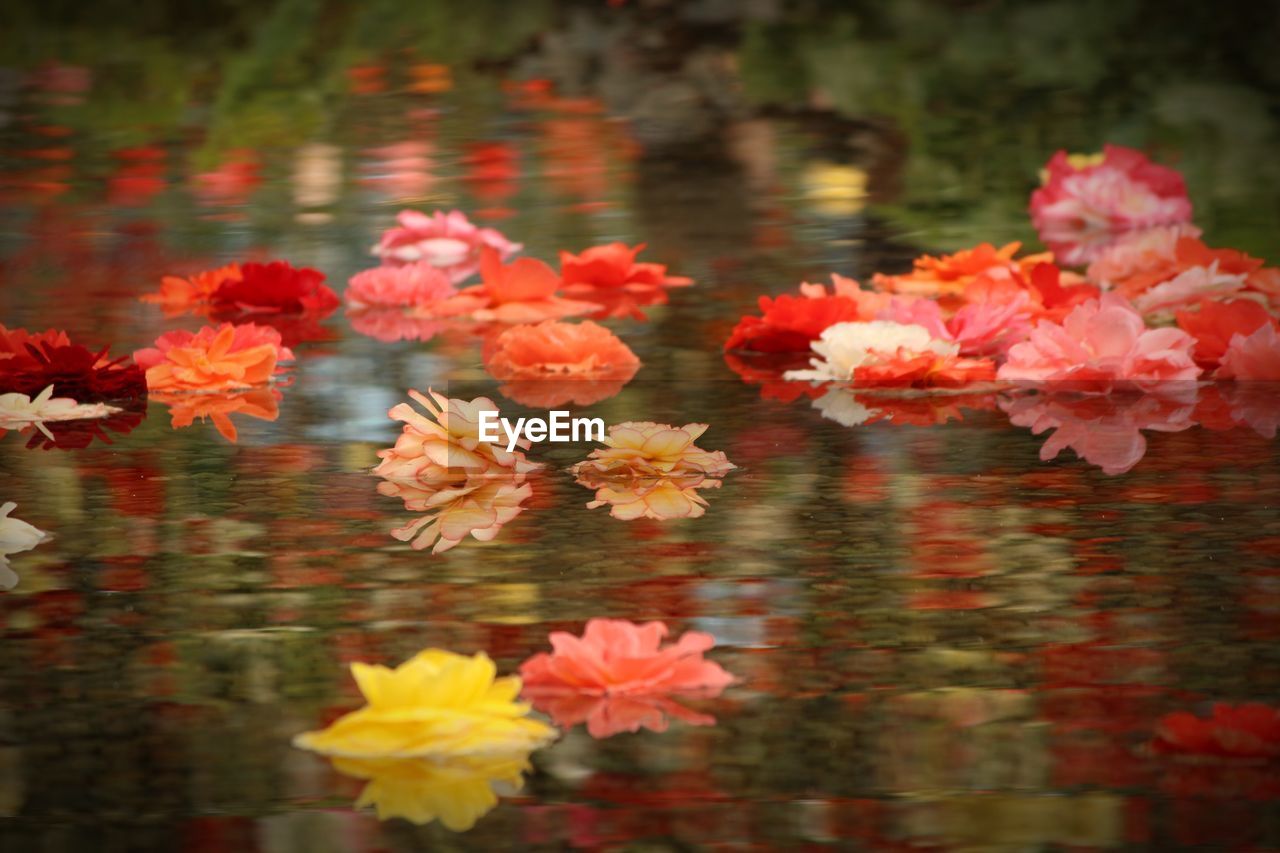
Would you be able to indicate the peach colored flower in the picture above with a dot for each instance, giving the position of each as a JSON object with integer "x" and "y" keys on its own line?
{"x": 1101, "y": 345}
{"x": 415, "y": 284}
{"x": 439, "y": 466}
{"x": 179, "y": 295}
{"x": 519, "y": 292}
{"x": 20, "y": 412}
{"x": 446, "y": 240}
{"x": 947, "y": 276}
{"x": 221, "y": 358}
{"x": 1255, "y": 356}
{"x": 553, "y": 363}
{"x": 885, "y": 354}
{"x": 619, "y": 660}
{"x": 1131, "y": 252}
{"x": 1105, "y": 431}
{"x": 259, "y": 403}
{"x": 1117, "y": 190}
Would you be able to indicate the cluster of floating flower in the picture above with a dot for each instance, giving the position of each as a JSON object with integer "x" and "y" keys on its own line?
{"x": 1149, "y": 308}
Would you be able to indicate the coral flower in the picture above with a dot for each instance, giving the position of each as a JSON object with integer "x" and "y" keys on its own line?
{"x": 439, "y": 466}
{"x": 1118, "y": 190}
{"x": 1130, "y": 253}
{"x": 1254, "y": 356}
{"x": 415, "y": 284}
{"x": 445, "y": 240}
{"x": 13, "y": 342}
{"x": 881, "y": 353}
{"x": 979, "y": 328}
{"x": 1192, "y": 271}
{"x": 1251, "y": 730}
{"x": 1101, "y": 345}
{"x": 946, "y": 277}
{"x": 789, "y": 324}
{"x": 601, "y": 272}
{"x": 262, "y": 404}
{"x": 20, "y": 411}
{"x": 274, "y": 288}
{"x": 553, "y": 363}
{"x": 437, "y": 704}
{"x": 1214, "y": 324}
{"x": 621, "y": 660}
{"x": 455, "y": 791}
{"x": 193, "y": 294}
{"x": 222, "y": 358}
{"x": 1105, "y": 431}
{"x": 641, "y": 449}
{"x": 519, "y": 292}
{"x": 73, "y": 370}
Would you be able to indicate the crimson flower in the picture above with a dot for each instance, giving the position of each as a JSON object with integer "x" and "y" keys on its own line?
{"x": 73, "y": 370}
{"x": 276, "y": 287}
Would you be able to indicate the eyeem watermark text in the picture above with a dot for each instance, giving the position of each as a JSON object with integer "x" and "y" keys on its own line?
{"x": 558, "y": 426}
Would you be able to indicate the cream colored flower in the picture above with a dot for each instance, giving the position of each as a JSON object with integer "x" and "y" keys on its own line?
{"x": 18, "y": 411}
{"x": 845, "y": 347}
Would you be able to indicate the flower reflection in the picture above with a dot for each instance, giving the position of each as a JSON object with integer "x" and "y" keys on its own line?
{"x": 650, "y": 470}
{"x": 457, "y": 792}
{"x": 16, "y": 536}
{"x": 439, "y": 466}
{"x": 849, "y": 408}
{"x": 618, "y": 677}
{"x": 1251, "y": 730}
{"x": 394, "y": 324}
{"x": 258, "y": 403}
{"x": 1103, "y": 430}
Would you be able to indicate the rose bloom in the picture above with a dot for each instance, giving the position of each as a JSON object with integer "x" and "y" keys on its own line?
{"x": 415, "y": 284}
{"x": 274, "y": 288}
{"x": 620, "y": 660}
{"x": 789, "y": 324}
{"x": 259, "y": 403}
{"x": 552, "y": 363}
{"x": 192, "y": 294}
{"x": 1101, "y": 345}
{"x": 1117, "y": 190}
{"x": 222, "y": 358}
{"x": 1255, "y": 356}
{"x": 446, "y": 240}
{"x": 881, "y": 353}
{"x": 1105, "y": 431}
{"x": 1214, "y": 324}
{"x": 523, "y": 291}
{"x": 610, "y": 275}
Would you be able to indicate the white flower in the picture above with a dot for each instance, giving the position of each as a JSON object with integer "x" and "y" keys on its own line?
{"x": 15, "y": 536}
{"x": 844, "y": 347}
{"x": 843, "y": 408}
{"x": 18, "y": 411}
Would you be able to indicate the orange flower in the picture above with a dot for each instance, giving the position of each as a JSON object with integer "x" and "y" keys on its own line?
{"x": 259, "y": 403}
{"x": 946, "y": 277}
{"x": 192, "y": 294}
{"x": 220, "y": 358}
{"x": 650, "y": 470}
{"x": 609, "y": 274}
{"x": 522, "y": 291}
{"x": 553, "y": 363}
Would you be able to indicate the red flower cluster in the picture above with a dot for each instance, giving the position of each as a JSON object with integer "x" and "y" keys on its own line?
{"x": 30, "y": 363}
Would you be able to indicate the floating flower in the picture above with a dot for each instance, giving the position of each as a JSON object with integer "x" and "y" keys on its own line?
{"x": 222, "y": 358}
{"x": 553, "y": 363}
{"x": 789, "y": 324}
{"x": 414, "y": 284}
{"x": 1191, "y": 271}
{"x": 274, "y": 288}
{"x": 73, "y": 370}
{"x": 437, "y": 704}
{"x": 946, "y": 277}
{"x": 1132, "y": 252}
{"x": 1186, "y": 288}
{"x": 1102, "y": 345}
{"x": 16, "y": 536}
{"x": 193, "y": 294}
{"x": 1116, "y": 190}
{"x": 1214, "y": 324}
{"x": 259, "y": 403}
{"x": 1255, "y": 356}
{"x": 440, "y": 466}
{"x": 455, "y": 791}
{"x": 979, "y": 328}
{"x": 519, "y": 292}
{"x": 609, "y": 275}
{"x": 881, "y": 353}
{"x": 619, "y": 660}
{"x": 1251, "y": 730}
{"x": 19, "y": 411}
{"x": 445, "y": 240}
{"x": 1105, "y": 431}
